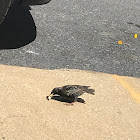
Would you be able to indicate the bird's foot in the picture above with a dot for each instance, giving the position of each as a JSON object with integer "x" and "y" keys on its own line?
{"x": 69, "y": 104}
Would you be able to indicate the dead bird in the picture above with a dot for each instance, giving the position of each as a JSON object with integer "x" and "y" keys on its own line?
{"x": 71, "y": 92}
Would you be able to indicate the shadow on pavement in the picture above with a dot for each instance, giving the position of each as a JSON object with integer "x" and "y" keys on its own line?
{"x": 18, "y": 28}
{"x": 61, "y": 99}
{"x": 66, "y": 100}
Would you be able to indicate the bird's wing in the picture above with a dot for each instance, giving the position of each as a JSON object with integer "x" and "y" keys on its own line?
{"x": 74, "y": 94}
{"x": 72, "y": 89}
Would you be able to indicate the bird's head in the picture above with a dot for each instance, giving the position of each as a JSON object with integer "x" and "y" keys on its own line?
{"x": 54, "y": 91}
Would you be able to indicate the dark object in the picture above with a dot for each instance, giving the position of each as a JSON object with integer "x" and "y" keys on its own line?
{"x": 34, "y": 2}
{"x": 18, "y": 28}
{"x": 6, "y": 4}
{"x": 71, "y": 92}
{"x": 4, "y": 7}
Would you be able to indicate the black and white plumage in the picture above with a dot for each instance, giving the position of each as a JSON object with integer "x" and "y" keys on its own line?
{"x": 71, "y": 92}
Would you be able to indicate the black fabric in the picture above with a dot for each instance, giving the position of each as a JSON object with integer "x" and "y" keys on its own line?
{"x": 34, "y": 2}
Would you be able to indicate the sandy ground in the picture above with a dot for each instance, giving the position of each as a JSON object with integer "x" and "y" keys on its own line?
{"x": 113, "y": 113}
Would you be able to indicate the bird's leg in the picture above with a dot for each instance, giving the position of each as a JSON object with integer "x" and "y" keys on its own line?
{"x": 75, "y": 99}
{"x": 70, "y": 102}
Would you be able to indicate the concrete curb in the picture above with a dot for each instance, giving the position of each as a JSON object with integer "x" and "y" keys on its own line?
{"x": 25, "y": 114}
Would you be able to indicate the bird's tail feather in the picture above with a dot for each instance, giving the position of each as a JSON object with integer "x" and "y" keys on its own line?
{"x": 90, "y": 91}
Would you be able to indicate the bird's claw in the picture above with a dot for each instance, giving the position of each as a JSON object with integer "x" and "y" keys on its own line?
{"x": 69, "y": 104}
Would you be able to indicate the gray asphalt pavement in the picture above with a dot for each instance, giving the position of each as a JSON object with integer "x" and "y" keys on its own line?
{"x": 76, "y": 34}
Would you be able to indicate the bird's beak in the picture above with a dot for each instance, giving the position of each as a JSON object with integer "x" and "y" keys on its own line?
{"x": 50, "y": 96}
